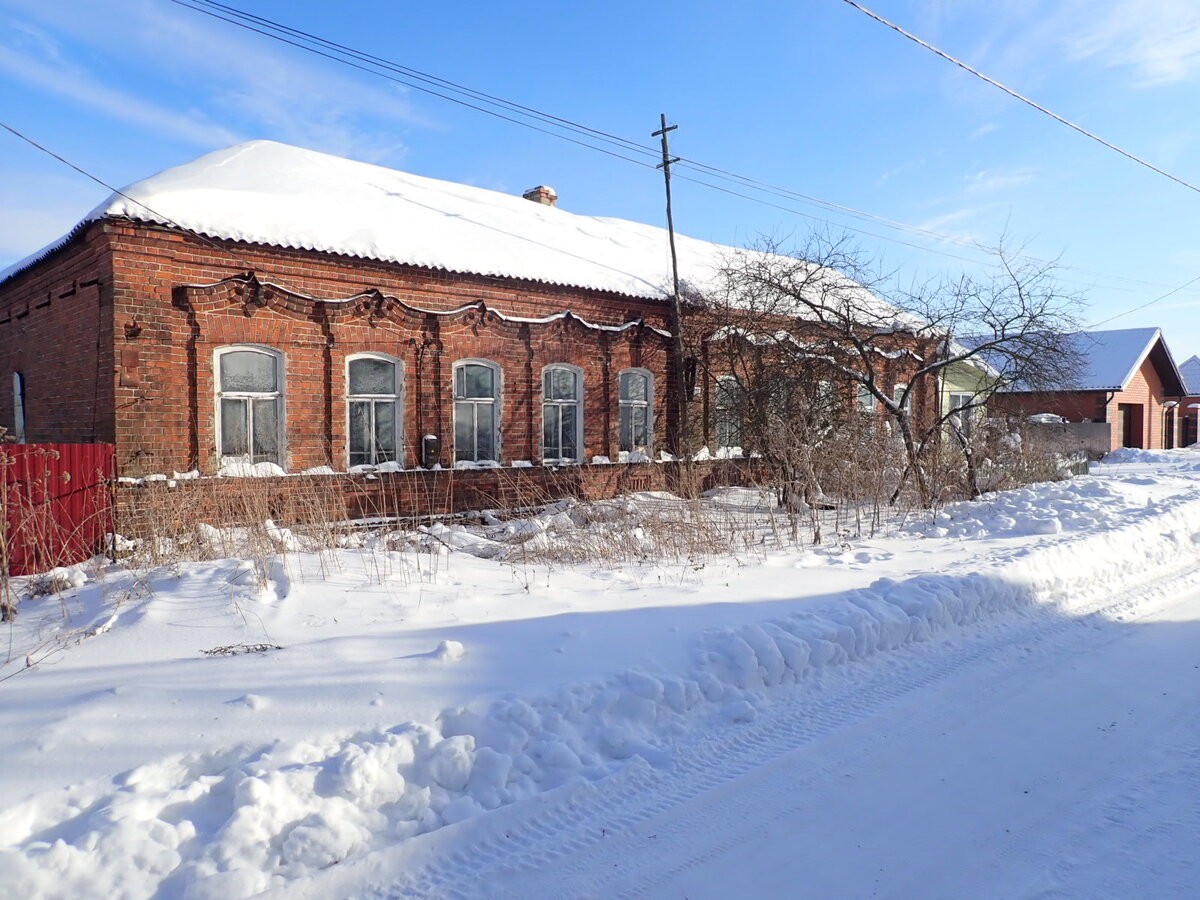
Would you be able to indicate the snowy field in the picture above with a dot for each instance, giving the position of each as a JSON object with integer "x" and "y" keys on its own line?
{"x": 1002, "y": 701}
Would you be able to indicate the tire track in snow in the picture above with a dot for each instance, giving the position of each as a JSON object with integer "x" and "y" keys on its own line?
{"x": 576, "y": 823}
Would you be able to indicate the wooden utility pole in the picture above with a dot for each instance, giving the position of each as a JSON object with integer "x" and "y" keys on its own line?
{"x": 682, "y": 443}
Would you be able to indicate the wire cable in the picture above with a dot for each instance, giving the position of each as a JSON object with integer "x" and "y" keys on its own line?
{"x": 160, "y": 216}
{"x": 369, "y": 63}
{"x": 994, "y": 83}
{"x": 1144, "y": 305}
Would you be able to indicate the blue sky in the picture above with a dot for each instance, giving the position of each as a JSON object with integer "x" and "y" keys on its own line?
{"x": 809, "y": 95}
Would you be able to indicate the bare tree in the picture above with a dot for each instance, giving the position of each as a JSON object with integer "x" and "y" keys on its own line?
{"x": 811, "y": 334}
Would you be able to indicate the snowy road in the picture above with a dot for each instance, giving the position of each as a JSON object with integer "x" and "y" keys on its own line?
{"x": 1029, "y": 759}
{"x": 1003, "y": 701}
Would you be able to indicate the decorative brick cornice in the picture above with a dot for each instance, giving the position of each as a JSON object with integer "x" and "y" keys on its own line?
{"x": 248, "y": 294}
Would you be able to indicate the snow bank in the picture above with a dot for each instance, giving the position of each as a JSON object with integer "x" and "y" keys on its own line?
{"x": 235, "y": 822}
{"x": 1070, "y": 506}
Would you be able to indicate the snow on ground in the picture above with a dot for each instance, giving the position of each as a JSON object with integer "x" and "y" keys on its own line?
{"x": 434, "y": 684}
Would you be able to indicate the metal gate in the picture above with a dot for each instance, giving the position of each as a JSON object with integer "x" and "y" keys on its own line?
{"x": 56, "y": 504}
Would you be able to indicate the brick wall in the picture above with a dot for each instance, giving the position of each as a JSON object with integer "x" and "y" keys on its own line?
{"x": 56, "y": 330}
{"x": 149, "y": 386}
{"x": 153, "y": 508}
{"x": 125, "y": 348}
{"x": 1145, "y": 390}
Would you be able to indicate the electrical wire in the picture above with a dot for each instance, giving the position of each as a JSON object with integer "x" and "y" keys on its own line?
{"x": 251, "y": 267}
{"x": 994, "y": 83}
{"x": 402, "y": 74}
{"x": 1145, "y": 305}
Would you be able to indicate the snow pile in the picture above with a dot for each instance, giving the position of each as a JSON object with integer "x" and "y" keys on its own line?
{"x": 234, "y": 823}
{"x": 242, "y": 818}
{"x": 250, "y": 470}
{"x": 1185, "y": 459}
{"x": 1070, "y": 506}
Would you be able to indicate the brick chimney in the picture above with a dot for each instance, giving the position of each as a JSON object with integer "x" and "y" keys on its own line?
{"x": 543, "y": 194}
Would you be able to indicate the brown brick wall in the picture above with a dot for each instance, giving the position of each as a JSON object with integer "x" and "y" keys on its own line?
{"x": 1145, "y": 390}
{"x": 154, "y": 371}
{"x": 134, "y": 346}
{"x": 56, "y": 330}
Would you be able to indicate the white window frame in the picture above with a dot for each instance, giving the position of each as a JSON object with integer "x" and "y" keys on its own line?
{"x": 647, "y": 404}
{"x": 898, "y": 392}
{"x": 965, "y": 410}
{"x": 19, "y": 407}
{"x": 396, "y": 398}
{"x": 278, "y": 395}
{"x": 718, "y": 409}
{"x": 577, "y": 403}
{"x": 496, "y": 403}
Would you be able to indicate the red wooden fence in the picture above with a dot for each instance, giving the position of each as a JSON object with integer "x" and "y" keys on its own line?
{"x": 56, "y": 504}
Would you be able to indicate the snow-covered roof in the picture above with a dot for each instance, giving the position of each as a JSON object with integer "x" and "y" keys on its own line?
{"x": 271, "y": 193}
{"x": 1111, "y": 358}
{"x": 1190, "y": 370}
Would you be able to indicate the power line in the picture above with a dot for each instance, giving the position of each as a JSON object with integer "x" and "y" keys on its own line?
{"x": 1144, "y": 305}
{"x": 283, "y": 283}
{"x": 416, "y": 73}
{"x": 161, "y": 216}
{"x": 406, "y": 82}
{"x": 401, "y": 74}
{"x": 994, "y": 83}
{"x": 250, "y": 22}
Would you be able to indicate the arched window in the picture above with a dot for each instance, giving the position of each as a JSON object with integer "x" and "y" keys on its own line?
{"x": 373, "y": 421}
{"x": 19, "y": 407}
{"x": 635, "y": 400}
{"x": 249, "y": 404}
{"x": 562, "y": 421}
{"x": 476, "y": 410}
{"x": 730, "y": 400}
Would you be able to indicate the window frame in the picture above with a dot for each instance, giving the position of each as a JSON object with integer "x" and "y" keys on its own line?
{"x": 965, "y": 412}
{"x": 18, "y": 389}
{"x": 898, "y": 391}
{"x": 496, "y": 403}
{"x": 647, "y": 405}
{"x": 866, "y": 401}
{"x": 718, "y": 410}
{"x": 278, "y": 395}
{"x": 396, "y": 398}
{"x": 577, "y": 403}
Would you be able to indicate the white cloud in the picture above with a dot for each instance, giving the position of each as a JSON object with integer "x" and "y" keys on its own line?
{"x": 941, "y": 224}
{"x": 983, "y": 130}
{"x": 254, "y": 86}
{"x": 994, "y": 180}
{"x": 64, "y": 79}
{"x": 1158, "y": 39}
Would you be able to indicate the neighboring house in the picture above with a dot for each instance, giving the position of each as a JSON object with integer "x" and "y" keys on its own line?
{"x": 966, "y": 386}
{"x": 1189, "y": 406}
{"x": 1128, "y": 380}
{"x": 266, "y": 304}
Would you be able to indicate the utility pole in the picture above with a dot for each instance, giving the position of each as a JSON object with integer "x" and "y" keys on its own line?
{"x": 682, "y": 443}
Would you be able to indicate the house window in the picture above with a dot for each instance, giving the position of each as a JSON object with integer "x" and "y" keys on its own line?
{"x": 373, "y": 388}
{"x": 249, "y": 404}
{"x": 19, "y": 407}
{"x": 960, "y": 406}
{"x": 866, "y": 400}
{"x": 898, "y": 396}
{"x": 728, "y": 418}
{"x": 562, "y": 423}
{"x": 635, "y": 396}
{"x": 476, "y": 391}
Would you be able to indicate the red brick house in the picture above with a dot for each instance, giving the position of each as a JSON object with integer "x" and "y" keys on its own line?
{"x": 268, "y": 304}
{"x": 1129, "y": 380}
